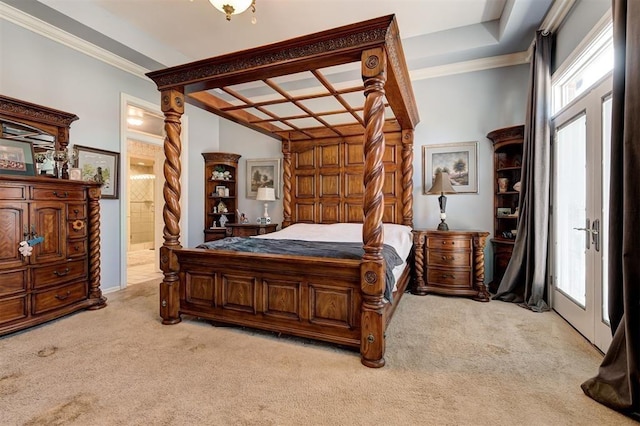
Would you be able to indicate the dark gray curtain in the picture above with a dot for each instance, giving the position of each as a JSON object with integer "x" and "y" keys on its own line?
{"x": 524, "y": 280}
{"x": 617, "y": 384}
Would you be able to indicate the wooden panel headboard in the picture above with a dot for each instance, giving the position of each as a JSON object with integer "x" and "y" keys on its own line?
{"x": 327, "y": 180}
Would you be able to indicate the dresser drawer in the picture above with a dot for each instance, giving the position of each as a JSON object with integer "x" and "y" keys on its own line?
{"x": 13, "y": 192}
{"x": 77, "y": 211}
{"x": 76, "y": 248}
{"x": 77, "y": 228}
{"x": 449, "y": 277}
{"x": 57, "y": 194}
{"x": 13, "y": 282}
{"x": 448, "y": 258}
{"x": 448, "y": 243}
{"x": 12, "y": 309}
{"x": 59, "y": 273}
{"x": 59, "y": 297}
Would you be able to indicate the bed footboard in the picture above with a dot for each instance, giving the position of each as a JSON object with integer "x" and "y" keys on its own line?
{"x": 307, "y": 297}
{"x": 315, "y": 298}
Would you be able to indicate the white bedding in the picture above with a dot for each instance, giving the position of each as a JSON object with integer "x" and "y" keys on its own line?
{"x": 397, "y": 236}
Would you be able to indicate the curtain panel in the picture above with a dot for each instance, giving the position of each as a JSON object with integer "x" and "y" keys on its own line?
{"x": 524, "y": 280}
{"x": 617, "y": 384}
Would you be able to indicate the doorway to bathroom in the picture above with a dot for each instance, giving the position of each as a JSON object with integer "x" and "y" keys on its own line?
{"x": 142, "y": 201}
{"x": 144, "y": 218}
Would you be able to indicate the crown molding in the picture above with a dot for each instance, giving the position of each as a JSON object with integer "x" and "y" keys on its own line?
{"x": 45, "y": 29}
{"x": 481, "y": 64}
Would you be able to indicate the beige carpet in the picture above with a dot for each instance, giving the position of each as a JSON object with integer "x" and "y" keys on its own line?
{"x": 450, "y": 361}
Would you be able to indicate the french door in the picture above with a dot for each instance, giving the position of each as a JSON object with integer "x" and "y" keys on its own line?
{"x": 580, "y": 218}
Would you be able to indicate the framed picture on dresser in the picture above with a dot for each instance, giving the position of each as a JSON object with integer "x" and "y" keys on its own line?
{"x": 16, "y": 157}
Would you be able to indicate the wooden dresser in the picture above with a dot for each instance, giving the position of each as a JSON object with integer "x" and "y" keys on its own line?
{"x": 249, "y": 229}
{"x": 450, "y": 263}
{"x": 62, "y": 274}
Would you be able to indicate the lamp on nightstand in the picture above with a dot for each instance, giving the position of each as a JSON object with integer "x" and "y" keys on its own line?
{"x": 442, "y": 185}
{"x": 266, "y": 194}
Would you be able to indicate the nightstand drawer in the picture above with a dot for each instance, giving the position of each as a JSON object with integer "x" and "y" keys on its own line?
{"x": 440, "y": 242}
{"x": 449, "y": 277}
{"x": 446, "y": 258}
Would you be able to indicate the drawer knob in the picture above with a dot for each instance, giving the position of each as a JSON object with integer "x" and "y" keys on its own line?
{"x": 448, "y": 258}
{"x": 61, "y": 274}
{"x": 447, "y": 276}
{"x": 65, "y": 194}
{"x": 63, "y": 297}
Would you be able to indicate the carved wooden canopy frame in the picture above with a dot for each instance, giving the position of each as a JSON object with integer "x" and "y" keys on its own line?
{"x": 389, "y": 105}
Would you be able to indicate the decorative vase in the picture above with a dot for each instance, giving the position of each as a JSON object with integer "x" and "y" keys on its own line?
{"x": 503, "y": 184}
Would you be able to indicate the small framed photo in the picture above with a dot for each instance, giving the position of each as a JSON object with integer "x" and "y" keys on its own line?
{"x": 263, "y": 173}
{"x": 16, "y": 158}
{"x": 503, "y": 212}
{"x": 75, "y": 174}
{"x": 220, "y": 190}
{"x": 460, "y": 160}
{"x": 100, "y": 166}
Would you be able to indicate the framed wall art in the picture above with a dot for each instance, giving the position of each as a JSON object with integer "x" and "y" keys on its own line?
{"x": 101, "y": 166}
{"x": 263, "y": 172}
{"x": 16, "y": 157}
{"x": 460, "y": 160}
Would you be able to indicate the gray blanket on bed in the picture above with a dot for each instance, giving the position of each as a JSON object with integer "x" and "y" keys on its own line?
{"x": 309, "y": 248}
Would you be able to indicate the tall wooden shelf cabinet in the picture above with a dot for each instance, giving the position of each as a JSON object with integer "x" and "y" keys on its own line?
{"x": 220, "y": 172}
{"x": 507, "y": 166}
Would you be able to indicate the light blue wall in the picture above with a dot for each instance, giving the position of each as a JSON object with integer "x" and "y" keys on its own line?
{"x": 39, "y": 70}
{"x": 251, "y": 145}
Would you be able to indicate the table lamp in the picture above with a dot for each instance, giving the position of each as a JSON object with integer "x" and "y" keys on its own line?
{"x": 266, "y": 194}
{"x": 442, "y": 185}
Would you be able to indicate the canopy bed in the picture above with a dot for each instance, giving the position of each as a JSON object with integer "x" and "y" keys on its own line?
{"x": 349, "y": 163}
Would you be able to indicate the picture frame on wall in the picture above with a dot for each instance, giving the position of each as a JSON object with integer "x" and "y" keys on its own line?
{"x": 101, "y": 166}
{"x": 459, "y": 160}
{"x": 263, "y": 172}
{"x": 17, "y": 157}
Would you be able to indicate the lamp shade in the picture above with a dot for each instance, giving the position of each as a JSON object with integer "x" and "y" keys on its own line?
{"x": 442, "y": 185}
{"x": 231, "y": 7}
{"x": 266, "y": 194}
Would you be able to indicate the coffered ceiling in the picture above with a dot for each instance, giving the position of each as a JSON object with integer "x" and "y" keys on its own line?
{"x": 158, "y": 33}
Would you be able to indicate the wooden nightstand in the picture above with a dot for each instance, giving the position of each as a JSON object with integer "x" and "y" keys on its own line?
{"x": 249, "y": 229}
{"x": 451, "y": 263}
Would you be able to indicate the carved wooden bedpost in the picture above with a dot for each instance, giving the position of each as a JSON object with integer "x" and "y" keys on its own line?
{"x": 479, "y": 242}
{"x": 172, "y": 104}
{"x": 286, "y": 182}
{"x": 407, "y": 178}
{"x": 372, "y": 270}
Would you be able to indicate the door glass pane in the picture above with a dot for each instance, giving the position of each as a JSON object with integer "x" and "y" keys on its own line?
{"x": 570, "y": 212}
{"x": 604, "y": 229}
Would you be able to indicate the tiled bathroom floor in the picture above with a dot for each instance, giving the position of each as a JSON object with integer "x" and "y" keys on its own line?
{"x": 142, "y": 266}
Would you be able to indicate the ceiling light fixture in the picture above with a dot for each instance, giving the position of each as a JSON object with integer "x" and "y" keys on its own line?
{"x": 234, "y": 7}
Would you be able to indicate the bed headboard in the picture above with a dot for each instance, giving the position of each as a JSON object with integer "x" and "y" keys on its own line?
{"x": 326, "y": 180}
